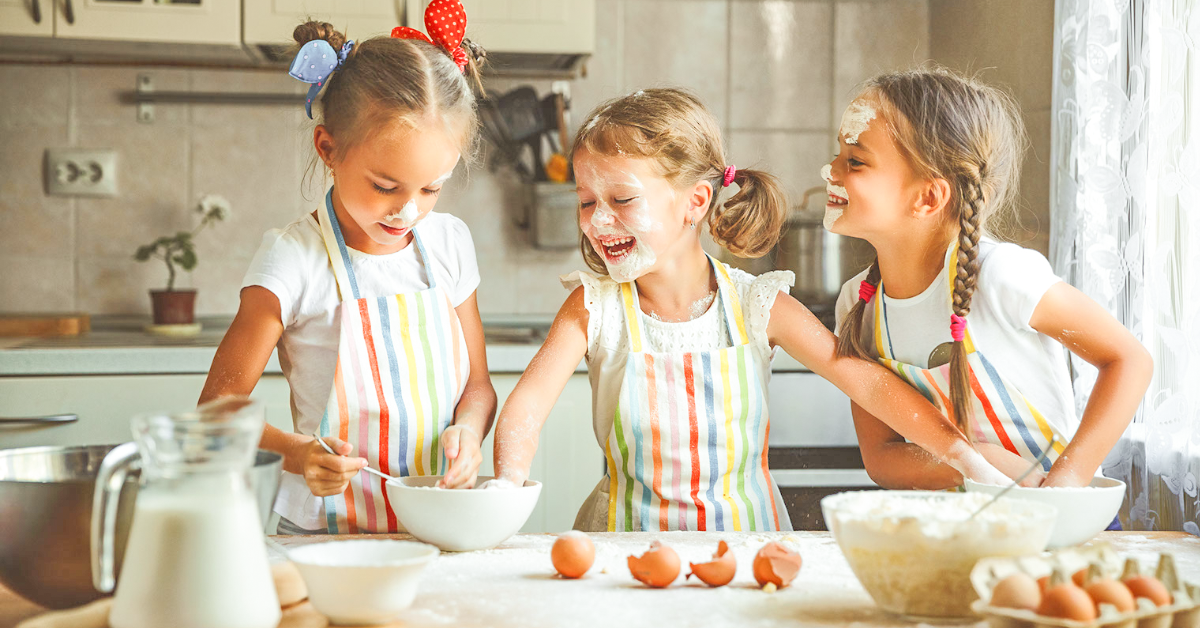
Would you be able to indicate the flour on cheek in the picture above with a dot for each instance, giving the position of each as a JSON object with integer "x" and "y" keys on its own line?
{"x": 833, "y": 211}
{"x": 619, "y": 238}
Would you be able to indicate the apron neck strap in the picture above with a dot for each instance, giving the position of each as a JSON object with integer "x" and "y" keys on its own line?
{"x": 727, "y": 298}
{"x": 883, "y": 340}
{"x": 339, "y": 254}
{"x": 335, "y": 246}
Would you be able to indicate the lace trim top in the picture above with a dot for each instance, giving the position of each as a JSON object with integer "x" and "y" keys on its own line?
{"x": 606, "y": 316}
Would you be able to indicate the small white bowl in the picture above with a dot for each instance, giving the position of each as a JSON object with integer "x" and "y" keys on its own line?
{"x": 362, "y": 582}
{"x": 1082, "y": 512}
{"x": 461, "y": 520}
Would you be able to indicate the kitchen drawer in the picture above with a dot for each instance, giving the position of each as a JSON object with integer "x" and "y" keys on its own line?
{"x": 106, "y": 403}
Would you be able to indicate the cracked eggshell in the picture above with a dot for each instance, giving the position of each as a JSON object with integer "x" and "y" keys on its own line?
{"x": 572, "y": 554}
{"x": 719, "y": 571}
{"x": 658, "y": 567}
{"x": 776, "y": 564}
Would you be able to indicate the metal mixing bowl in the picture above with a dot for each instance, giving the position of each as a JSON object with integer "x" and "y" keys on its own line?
{"x": 46, "y": 514}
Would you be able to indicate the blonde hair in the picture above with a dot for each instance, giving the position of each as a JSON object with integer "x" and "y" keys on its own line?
{"x": 971, "y": 135}
{"x": 672, "y": 128}
{"x": 386, "y": 80}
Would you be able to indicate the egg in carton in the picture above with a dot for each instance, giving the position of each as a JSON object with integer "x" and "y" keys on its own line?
{"x": 1097, "y": 561}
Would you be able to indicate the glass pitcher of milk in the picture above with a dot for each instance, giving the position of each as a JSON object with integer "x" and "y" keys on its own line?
{"x": 195, "y": 556}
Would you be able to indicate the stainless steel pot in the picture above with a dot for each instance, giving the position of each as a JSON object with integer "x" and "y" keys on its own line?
{"x": 821, "y": 260}
{"x": 45, "y": 518}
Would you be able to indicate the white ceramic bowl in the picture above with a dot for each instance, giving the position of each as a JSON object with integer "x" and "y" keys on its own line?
{"x": 461, "y": 520}
{"x": 362, "y": 582}
{"x": 913, "y": 551}
{"x": 1082, "y": 512}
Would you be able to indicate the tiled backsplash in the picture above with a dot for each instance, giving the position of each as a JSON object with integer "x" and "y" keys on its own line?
{"x": 776, "y": 72}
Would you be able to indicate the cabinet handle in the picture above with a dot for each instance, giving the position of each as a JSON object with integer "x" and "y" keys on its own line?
{"x": 69, "y": 11}
{"x": 36, "y": 9}
{"x": 32, "y": 420}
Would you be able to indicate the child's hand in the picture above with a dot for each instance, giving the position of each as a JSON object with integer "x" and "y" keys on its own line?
{"x": 325, "y": 473}
{"x": 1011, "y": 464}
{"x": 461, "y": 445}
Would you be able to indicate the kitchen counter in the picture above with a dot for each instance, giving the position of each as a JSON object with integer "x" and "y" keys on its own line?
{"x": 118, "y": 345}
{"x": 514, "y": 585}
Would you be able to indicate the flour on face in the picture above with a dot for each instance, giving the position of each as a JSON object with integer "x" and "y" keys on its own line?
{"x": 837, "y": 198}
{"x": 855, "y": 120}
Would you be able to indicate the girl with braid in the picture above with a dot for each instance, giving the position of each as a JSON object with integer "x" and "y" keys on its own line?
{"x": 927, "y": 160}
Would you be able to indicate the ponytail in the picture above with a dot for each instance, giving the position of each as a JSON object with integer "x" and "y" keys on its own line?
{"x": 751, "y": 221}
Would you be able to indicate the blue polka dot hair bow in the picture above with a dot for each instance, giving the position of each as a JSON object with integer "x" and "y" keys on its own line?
{"x": 314, "y": 64}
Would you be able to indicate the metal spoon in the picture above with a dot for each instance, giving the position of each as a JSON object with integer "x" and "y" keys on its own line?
{"x": 368, "y": 469}
{"x": 1017, "y": 481}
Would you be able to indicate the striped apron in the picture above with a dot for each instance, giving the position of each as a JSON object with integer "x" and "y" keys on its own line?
{"x": 401, "y": 368}
{"x": 1000, "y": 414}
{"x": 687, "y": 449}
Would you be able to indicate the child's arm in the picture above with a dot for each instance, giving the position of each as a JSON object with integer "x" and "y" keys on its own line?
{"x": 236, "y": 368}
{"x": 880, "y": 393}
{"x": 1080, "y": 324}
{"x": 473, "y": 416}
{"x": 529, "y": 404}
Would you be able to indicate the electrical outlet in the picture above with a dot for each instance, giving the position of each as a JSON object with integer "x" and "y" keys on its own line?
{"x": 81, "y": 172}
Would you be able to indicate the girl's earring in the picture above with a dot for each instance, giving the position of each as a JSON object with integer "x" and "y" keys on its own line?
{"x": 692, "y": 224}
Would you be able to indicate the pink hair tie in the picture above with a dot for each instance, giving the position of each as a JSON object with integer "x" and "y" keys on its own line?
{"x": 729, "y": 172}
{"x": 866, "y": 290}
{"x": 958, "y": 327}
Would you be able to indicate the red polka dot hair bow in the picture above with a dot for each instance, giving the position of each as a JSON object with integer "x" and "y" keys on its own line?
{"x": 446, "y": 22}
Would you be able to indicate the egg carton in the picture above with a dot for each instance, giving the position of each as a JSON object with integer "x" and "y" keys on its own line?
{"x": 1183, "y": 612}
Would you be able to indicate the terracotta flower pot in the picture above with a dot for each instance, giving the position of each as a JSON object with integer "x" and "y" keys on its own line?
{"x": 173, "y": 307}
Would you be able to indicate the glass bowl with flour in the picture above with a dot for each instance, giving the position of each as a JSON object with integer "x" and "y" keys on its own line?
{"x": 913, "y": 551}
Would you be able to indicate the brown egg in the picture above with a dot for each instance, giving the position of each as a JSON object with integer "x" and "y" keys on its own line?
{"x": 658, "y": 567}
{"x": 1067, "y": 601}
{"x": 1108, "y": 591}
{"x": 719, "y": 571}
{"x": 572, "y": 554}
{"x": 1149, "y": 587}
{"x": 1017, "y": 591}
{"x": 1079, "y": 577}
{"x": 1043, "y": 582}
{"x": 776, "y": 564}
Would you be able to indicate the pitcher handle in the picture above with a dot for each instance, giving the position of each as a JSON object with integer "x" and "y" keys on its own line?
{"x": 109, "y": 481}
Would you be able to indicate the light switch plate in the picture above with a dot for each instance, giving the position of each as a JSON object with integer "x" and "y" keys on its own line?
{"x": 81, "y": 172}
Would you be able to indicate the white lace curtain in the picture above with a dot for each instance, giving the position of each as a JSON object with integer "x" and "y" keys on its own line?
{"x": 1125, "y": 185}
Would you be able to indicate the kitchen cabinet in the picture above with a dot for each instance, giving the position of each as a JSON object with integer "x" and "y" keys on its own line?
{"x": 270, "y": 23}
{"x": 568, "y": 462}
{"x": 106, "y": 403}
{"x": 27, "y": 17}
{"x": 175, "y": 22}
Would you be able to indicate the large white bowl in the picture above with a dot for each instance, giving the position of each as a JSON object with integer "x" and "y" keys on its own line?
{"x": 461, "y": 520}
{"x": 362, "y": 582}
{"x": 913, "y": 551}
{"x": 1082, "y": 512}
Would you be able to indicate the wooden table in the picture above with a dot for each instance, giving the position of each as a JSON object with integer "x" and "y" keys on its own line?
{"x": 514, "y": 585}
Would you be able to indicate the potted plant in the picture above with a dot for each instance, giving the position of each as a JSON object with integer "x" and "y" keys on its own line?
{"x": 171, "y": 306}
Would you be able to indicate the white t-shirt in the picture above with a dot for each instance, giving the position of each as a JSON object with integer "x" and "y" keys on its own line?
{"x": 1011, "y": 283}
{"x": 293, "y": 264}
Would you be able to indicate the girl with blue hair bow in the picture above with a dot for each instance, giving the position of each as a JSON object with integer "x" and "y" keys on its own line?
{"x": 370, "y": 299}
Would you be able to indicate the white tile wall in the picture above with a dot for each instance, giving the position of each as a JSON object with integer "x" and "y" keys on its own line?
{"x": 776, "y": 72}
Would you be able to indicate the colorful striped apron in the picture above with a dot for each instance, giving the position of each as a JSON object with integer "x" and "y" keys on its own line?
{"x": 1011, "y": 420}
{"x": 401, "y": 369}
{"x": 688, "y": 445}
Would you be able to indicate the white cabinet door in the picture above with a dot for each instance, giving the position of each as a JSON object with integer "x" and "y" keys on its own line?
{"x": 165, "y": 21}
{"x": 27, "y": 17}
{"x": 272, "y": 22}
{"x": 568, "y": 463}
{"x": 106, "y": 403}
{"x": 550, "y": 26}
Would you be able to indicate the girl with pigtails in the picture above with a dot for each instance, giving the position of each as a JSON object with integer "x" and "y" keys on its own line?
{"x": 678, "y": 345}
{"x": 928, "y": 161}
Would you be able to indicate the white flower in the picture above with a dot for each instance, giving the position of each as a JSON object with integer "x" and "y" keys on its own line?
{"x": 214, "y": 207}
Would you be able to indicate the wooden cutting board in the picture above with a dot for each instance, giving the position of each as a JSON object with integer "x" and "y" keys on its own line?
{"x": 44, "y": 324}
